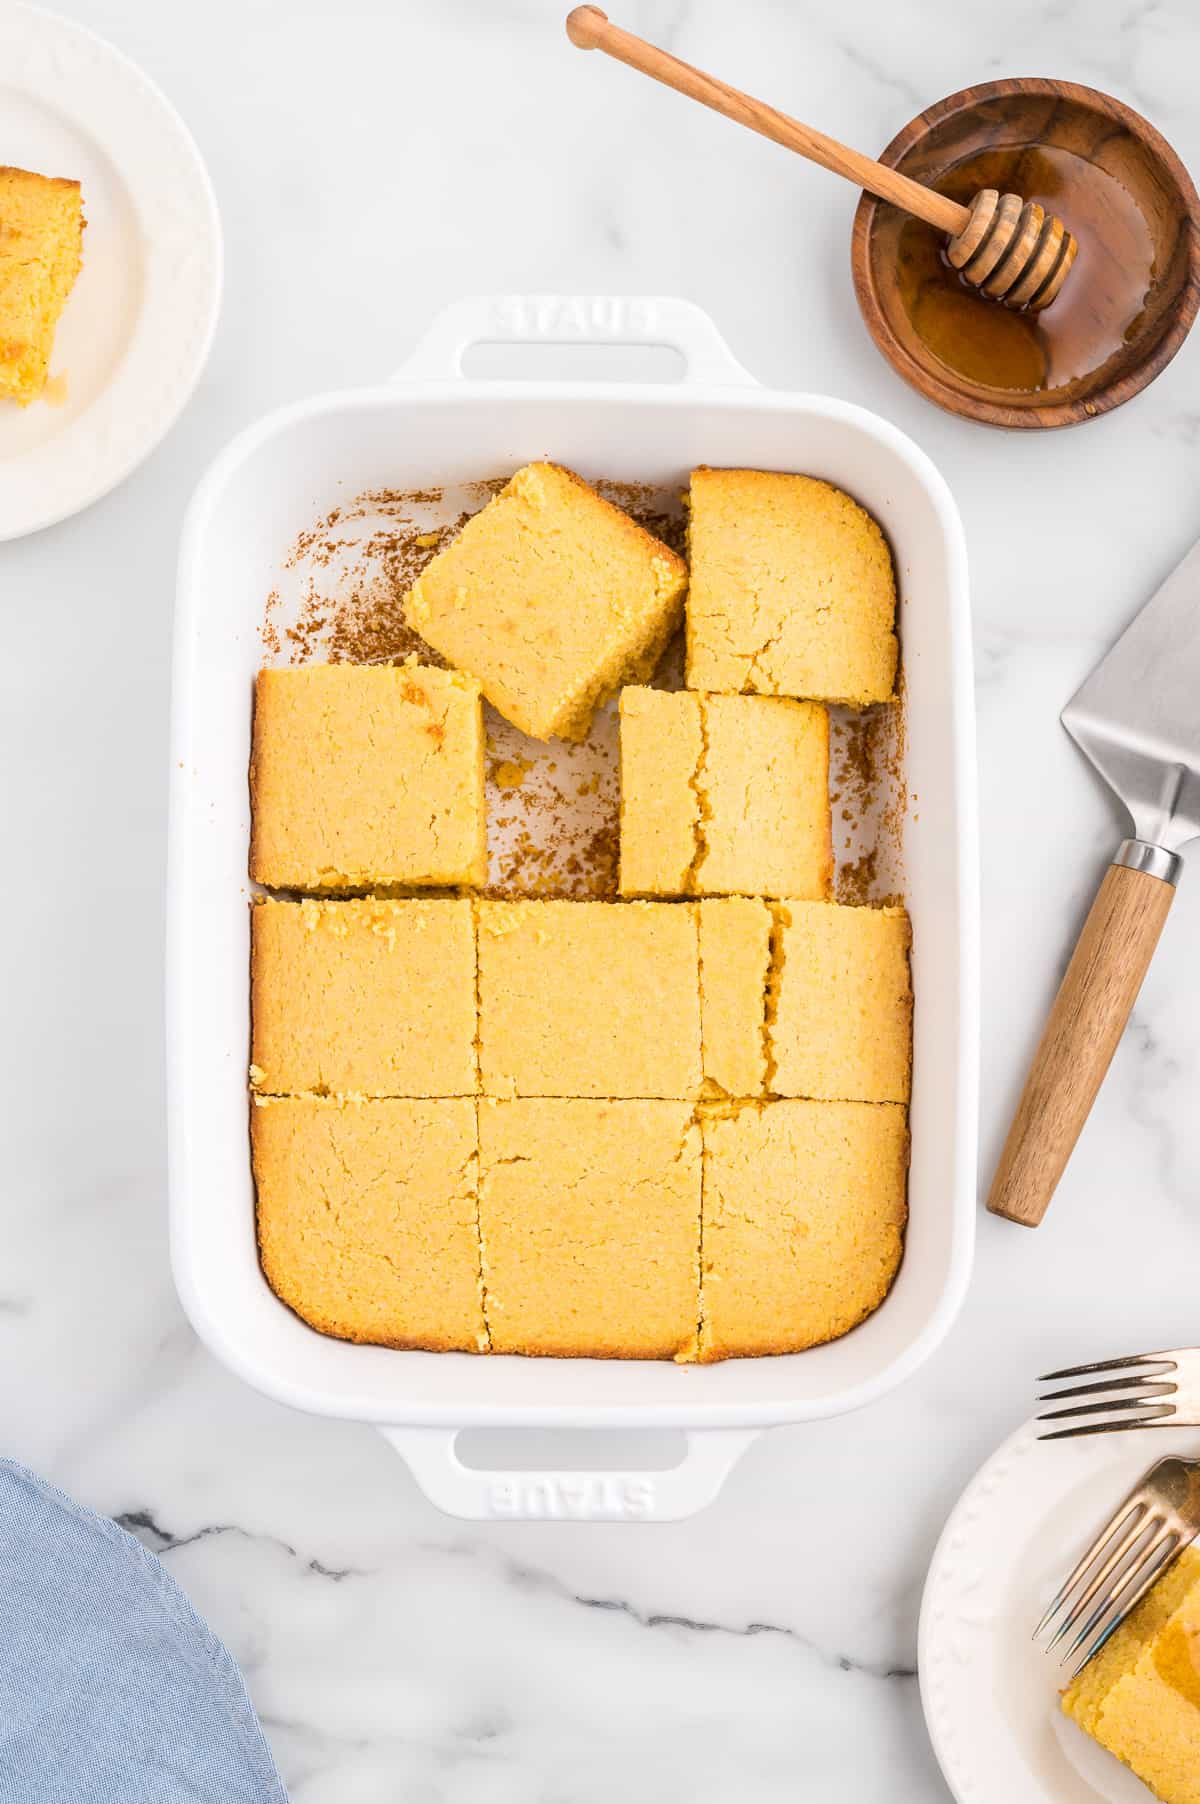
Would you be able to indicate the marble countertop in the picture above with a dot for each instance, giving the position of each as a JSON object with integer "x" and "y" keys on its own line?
{"x": 373, "y": 161}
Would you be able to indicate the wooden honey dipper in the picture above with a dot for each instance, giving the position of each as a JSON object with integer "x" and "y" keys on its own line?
{"x": 1010, "y": 249}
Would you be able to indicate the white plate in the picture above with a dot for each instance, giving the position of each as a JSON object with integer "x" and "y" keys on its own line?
{"x": 135, "y": 333}
{"x": 991, "y": 1696}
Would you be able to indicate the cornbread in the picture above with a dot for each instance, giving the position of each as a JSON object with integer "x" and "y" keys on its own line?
{"x": 735, "y": 956}
{"x": 803, "y": 1221}
{"x": 370, "y": 997}
{"x": 590, "y": 1224}
{"x": 749, "y": 814}
{"x": 591, "y": 999}
{"x": 1140, "y": 1696}
{"x": 841, "y": 1003}
{"x": 367, "y": 776}
{"x": 41, "y": 249}
{"x": 551, "y": 597}
{"x": 368, "y": 1217}
{"x": 792, "y": 590}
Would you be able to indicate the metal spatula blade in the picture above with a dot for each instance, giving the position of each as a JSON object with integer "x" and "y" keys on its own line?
{"x": 1137, "y": 717}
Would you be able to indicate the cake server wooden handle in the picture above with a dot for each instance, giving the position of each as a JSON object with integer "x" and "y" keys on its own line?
{"x": 1089, "y": 1015}
{"x": 591, "y": 29}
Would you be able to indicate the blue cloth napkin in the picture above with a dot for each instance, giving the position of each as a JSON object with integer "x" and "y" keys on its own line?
{"x": 112, "y": 1689}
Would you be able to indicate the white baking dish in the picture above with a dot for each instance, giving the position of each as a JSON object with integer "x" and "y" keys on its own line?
{"x": 431, "y": 425}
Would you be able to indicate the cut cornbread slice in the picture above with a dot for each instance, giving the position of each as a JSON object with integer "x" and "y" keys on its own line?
{"x": 803, "y": 1222}
{"x": 735, "y": 956}
{"x": 367, "y": 776}
{"x": 724, "y": 795}
{"x": 551, "y": 597}
{"x": 1084, "y": 1697}
{"x": 1150, "y": 1715}
{"x": 792, "y": 590}
{"x": 841, "y": 1003}
{"x": 370, "y": 997}
{"x": 368, "y": 1217}
{"x": 661, "y": 746}
{"x": 596, "y": 999}
{"x": 41, "y": 249}
{"x": 590, "y": 1225}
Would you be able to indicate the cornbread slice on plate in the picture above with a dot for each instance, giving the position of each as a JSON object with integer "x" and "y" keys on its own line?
{"x": 367, "y": 776}
{"x": 590, "y": 1225}
{"x": 551, "y": 597}
{"x": 802, "y": 1222}
{"x": 735, "y": 957}
{"x": 368, "y": 1217}
{"x": 371, "y": 997}
{"x": 724, "y": 795}
{"x": 1140, "y": 1696}
{"x": 589, "y": 999}
{"x": 792, "y": 590}
{"x": 840, "y": 1025}
{"x": 41, "y": 250}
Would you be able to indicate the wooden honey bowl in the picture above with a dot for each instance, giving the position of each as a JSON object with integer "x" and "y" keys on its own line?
{"x": 1133, "y": 294}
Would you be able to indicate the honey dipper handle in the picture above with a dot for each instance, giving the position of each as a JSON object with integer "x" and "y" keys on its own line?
{"x": 1089, "y": 1015}
{"x": 591, "y": 29}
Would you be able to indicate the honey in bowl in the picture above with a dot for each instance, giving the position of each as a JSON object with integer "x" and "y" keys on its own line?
{"x": 1102, "y": 302}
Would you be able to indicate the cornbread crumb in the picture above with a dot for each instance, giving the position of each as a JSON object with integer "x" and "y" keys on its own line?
{"x": 589, "y": 999}
{"x": 367, "y": 776}
{"x": 735, "y": 954}
{"x": 372, "y": 997}
{"x": 802, "y": 1222}
{"x": 590, "y": 1223}
{"x": 368, "y": 1218}
{"x": 840, "y": 1024}
{"x": 792, "y": 590}
{"x": 41, "y": 250}
{"x": 552, "y": 597}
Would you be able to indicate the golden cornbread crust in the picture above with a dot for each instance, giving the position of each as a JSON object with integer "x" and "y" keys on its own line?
{"x": 371, "y": 997}
{"x": 365, "y": 776}
{"x": 551, "y": 597}
{"x": 735, "y": 962}
{"x": 368, "y": 1218}
{"x": 840, "y": 1003}
{"x": 661, "y": 746}
{"x": 41, "y": 250}
{"x": 590, "y": 1224}
{"x": 802, "y": 1224}
{"x": 792, "y": 590}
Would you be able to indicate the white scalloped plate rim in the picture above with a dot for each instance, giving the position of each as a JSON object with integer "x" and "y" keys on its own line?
{"x": 61, "y": 84}
{"x": 989, "y": 1695}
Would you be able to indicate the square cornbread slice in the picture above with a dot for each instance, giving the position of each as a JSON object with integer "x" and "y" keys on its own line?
{"x": 368, "y": 997}
{"x": 792, "y": 590}
{"x": 724, "y": 795}
{"x": 735, "y": 958}
{"x": 1083, "y": 1700}
{"x": 551, "y": 597}
{"x": 41, "y": 249}
{"x": 840, "y": 1024}
{"x": 803, "y": 1222}
{"x": 590, "y": 1225}
{"x": 593, "y": 999}
{"x": 363, "y": 777}
{"x": 1148, "y": 1714}
{"x": 368, "y": 1217}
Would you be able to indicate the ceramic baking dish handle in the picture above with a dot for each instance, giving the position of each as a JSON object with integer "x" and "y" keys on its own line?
{"x": 586, "y": 319}
{"x": 496, "y": 1496}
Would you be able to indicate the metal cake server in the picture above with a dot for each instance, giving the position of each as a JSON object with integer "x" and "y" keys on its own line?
{"x": 1137, "y": 718}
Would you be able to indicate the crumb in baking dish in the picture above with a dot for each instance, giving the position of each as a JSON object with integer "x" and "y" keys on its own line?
{"x": 792, "y": 590}
{"x": 371, "y": 997}
{"x": 551, "y": 597}
{"x": 735, "y": 957}
{"x": 368, "y": 1217}
{"x": 748, "y": 815}
{"x": 840, "y": 1025}
{"x": 588, "y": 999}
{"x": 41, "y": 251}
{"x": 364, "y": 777}
{"x": 802, "y": 1222}
{"x": 590, "y": 1226}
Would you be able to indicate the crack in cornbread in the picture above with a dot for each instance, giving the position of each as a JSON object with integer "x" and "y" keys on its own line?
{"x": 41, "y": 251}
{"x": 735, "y": 962}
